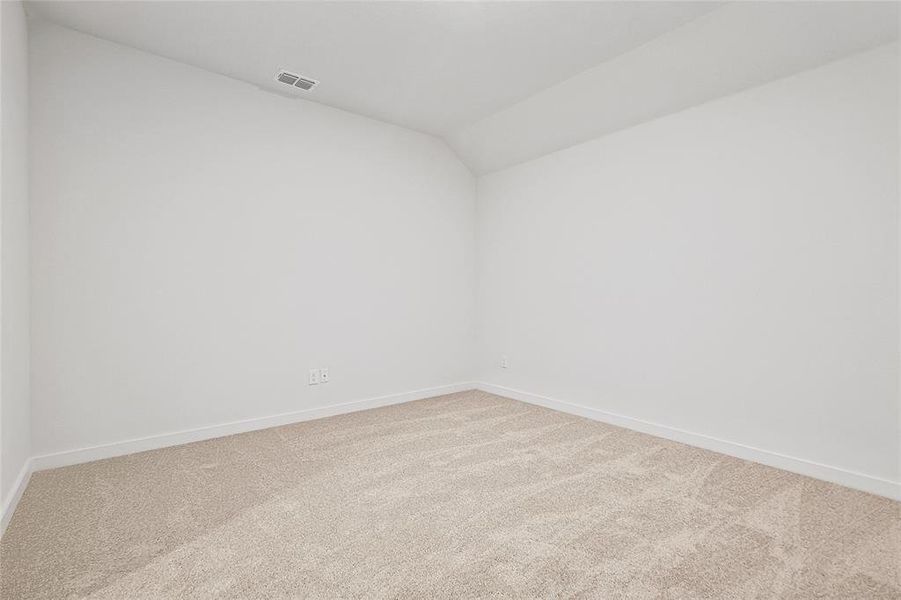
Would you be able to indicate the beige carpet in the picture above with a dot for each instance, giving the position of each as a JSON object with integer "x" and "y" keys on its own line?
{"x": 463, "y": 496}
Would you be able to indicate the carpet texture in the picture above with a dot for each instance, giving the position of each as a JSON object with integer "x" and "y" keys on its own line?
{"x": 468, "y": 495}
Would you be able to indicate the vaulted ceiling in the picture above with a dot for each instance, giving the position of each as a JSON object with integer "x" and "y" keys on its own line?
{"x": 502, "y": 82}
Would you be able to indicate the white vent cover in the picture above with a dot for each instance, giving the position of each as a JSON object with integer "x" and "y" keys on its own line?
{"x": 302, "y": 83}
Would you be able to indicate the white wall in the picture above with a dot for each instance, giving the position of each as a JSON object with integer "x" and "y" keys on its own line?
{"x": 199, "y": 244}
{"x": 730, "y": 270}
{"x": 15, "y": 429}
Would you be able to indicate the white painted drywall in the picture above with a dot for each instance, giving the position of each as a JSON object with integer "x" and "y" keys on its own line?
{"x": 430, "y": 66}
{"x": 198, "y": 245}
{"x": 730, "y": 270}
{"x": 15, "y": 428}
{"x": 736, "y": 47}
{"x": 504, "y": 82}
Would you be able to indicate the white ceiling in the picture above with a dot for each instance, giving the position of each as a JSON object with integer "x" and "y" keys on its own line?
{"x": 734, "y": 48}
{"x": 430, "y": 66}
{"x": 502, "y": 82}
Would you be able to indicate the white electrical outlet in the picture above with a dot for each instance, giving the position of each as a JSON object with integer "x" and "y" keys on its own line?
{"x": 323, "y": 375}
{"x": 315, "y": 375}
{"x": 504, "y": 362}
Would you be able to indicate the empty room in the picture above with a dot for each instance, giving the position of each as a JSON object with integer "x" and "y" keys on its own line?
{"x": 449, "y": 300}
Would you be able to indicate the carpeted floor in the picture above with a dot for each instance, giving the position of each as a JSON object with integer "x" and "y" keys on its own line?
{"x": 463, "y": 496}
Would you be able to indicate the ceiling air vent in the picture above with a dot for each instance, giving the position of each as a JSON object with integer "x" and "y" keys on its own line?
{"x": 304, "y": 83}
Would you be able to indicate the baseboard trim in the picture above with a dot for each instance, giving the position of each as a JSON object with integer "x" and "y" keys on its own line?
{"x": 852, "y": 479}
{"x": 9, "y": 506}
{"x": 83, "y": 455}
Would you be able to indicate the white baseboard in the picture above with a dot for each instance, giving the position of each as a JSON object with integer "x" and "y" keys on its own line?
{"x": 10, "y": 503}
{"x": 82, "y": 455}
{"x": 859, "y": 481}
{"x": 866, "y": 483}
